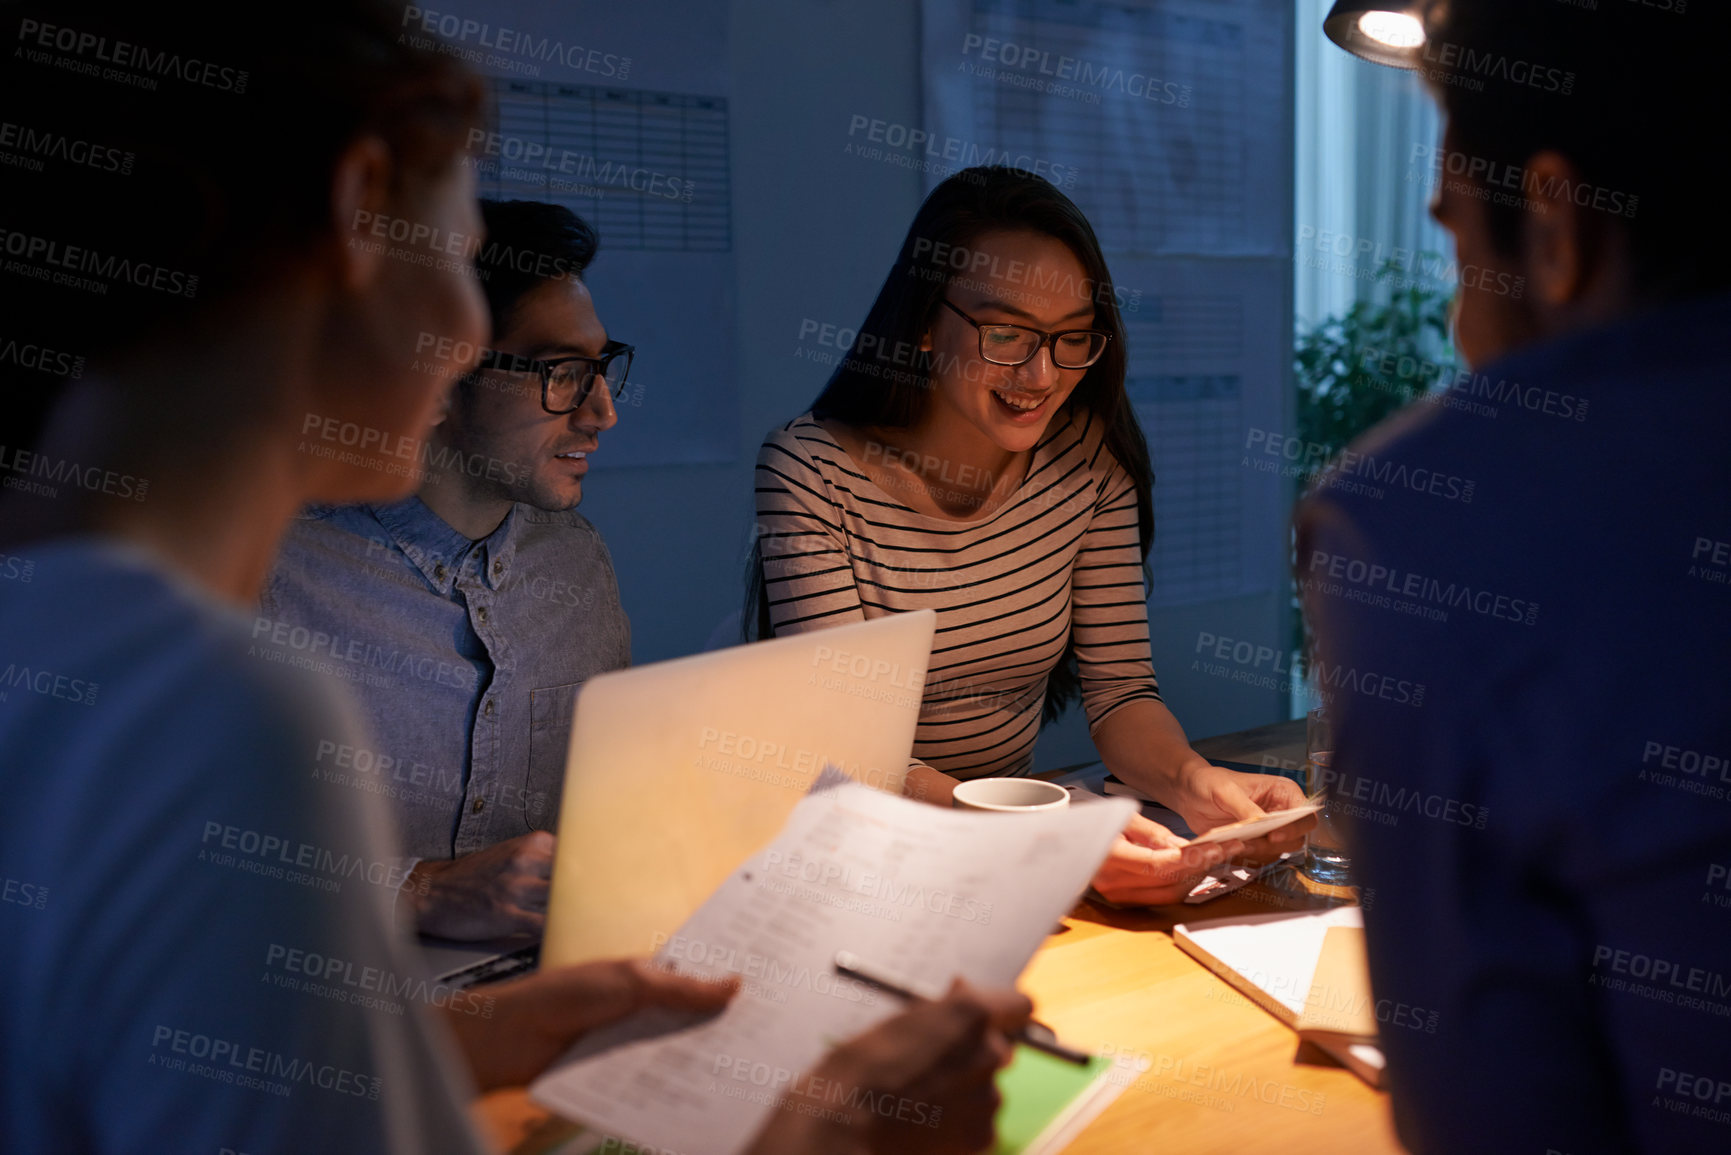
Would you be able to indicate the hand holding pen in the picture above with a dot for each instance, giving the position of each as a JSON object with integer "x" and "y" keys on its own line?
{"x": 1033, "y": 1034}
{"x": 919, "y": 1083}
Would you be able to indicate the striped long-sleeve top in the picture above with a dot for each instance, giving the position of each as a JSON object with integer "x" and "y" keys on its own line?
{"x": 1059, "y": 558}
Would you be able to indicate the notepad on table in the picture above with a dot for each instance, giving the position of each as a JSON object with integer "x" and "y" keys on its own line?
{"x": 1307, "y": 969}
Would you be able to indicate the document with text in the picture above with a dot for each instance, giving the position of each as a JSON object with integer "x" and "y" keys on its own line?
{"x": 918, "y": 893}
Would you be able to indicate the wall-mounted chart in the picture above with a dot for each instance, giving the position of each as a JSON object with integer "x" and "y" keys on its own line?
{"x": 1170, "y": 122}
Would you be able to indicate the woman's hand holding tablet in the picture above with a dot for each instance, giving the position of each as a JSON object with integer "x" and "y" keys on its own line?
{"x": 1258, "y": 816}
{"x": 1213, "y": 797}
{"x": 1151, "y": 866}
{"x": 1251, "y": 828}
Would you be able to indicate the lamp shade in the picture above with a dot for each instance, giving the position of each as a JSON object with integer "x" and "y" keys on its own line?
{"x": 1381, "y": 31}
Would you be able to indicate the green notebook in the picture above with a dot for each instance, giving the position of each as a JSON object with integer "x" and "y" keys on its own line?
{"x": 1047, "y": 1100}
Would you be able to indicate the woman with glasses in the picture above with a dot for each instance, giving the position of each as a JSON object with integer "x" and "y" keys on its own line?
{"x": 975, "y": 454}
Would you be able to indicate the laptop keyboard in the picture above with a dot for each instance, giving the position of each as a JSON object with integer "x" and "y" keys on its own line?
{"x": 493, "y": 970}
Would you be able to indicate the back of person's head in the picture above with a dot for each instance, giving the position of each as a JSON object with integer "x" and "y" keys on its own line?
{"x": 182, "y": 157}
{"x": 1630, "y": 93}
{"x": 529, "y": 243}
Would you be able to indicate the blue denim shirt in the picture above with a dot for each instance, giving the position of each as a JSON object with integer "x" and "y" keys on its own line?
{"x": 465, "y": 656}
{"x": 168, "y": 870}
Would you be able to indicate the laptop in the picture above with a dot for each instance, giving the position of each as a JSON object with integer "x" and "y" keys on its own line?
{"x": 678, "y": 771}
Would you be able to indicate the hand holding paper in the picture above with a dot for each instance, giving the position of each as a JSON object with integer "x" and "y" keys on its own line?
{"x": 933, "y": 894}
{"x": 530, "y": 1022}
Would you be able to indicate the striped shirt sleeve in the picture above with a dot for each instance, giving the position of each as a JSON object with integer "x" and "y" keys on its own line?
{"x": 807, "y": 573}
{"x": 1109, "y": 603}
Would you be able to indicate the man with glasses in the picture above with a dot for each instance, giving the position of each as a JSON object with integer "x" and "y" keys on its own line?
{"x": 466, "y": 617}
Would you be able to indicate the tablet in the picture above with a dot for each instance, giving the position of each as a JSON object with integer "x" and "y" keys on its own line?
{"x": 1249, "y": 828}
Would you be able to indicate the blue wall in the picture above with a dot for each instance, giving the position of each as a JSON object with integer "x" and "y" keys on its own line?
{"x": 814, "y": 233}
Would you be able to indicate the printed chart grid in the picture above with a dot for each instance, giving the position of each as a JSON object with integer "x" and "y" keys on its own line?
{"x": 648, "y": 169}
{"x": 1193, "y": 424}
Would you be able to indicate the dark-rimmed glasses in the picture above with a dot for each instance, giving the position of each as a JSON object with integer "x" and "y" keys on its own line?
{"x": 566, "y": 382}
{"x": 1018, "y": 344}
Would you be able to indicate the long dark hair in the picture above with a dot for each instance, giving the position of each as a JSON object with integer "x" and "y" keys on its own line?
{"x": 885, "y": 382}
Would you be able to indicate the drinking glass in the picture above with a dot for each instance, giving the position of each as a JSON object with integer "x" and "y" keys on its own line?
{"x": 1324, "y": 860}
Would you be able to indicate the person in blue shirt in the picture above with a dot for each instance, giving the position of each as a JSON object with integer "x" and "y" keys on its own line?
{"x": 196, "y": 934}
{"x": 1543, "y": 548}
{"x": 465, "y": 617}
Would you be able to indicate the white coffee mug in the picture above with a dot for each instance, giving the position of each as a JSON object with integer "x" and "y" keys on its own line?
{"x": 1010, "y": 795}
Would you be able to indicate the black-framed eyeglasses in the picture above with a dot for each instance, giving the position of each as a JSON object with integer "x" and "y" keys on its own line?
{"x": 566, "y": 382}
{"x": 1018, "y": 344}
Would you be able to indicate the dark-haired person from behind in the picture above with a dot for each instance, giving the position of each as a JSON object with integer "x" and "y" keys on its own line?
{"x": 478, "y": 605}
{"x": 975, "y": 454}
{"x": 1558, "y": 907}
{"x": 193, "y": 896}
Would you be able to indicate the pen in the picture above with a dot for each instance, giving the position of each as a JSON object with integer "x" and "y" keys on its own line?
{"x": 1036, "y": 1034}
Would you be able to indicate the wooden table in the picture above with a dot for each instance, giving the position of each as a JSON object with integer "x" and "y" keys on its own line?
{"x": 1221, "y": 1074}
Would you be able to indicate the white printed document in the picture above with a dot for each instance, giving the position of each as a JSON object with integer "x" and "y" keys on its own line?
{"x": 917, "y": 892}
